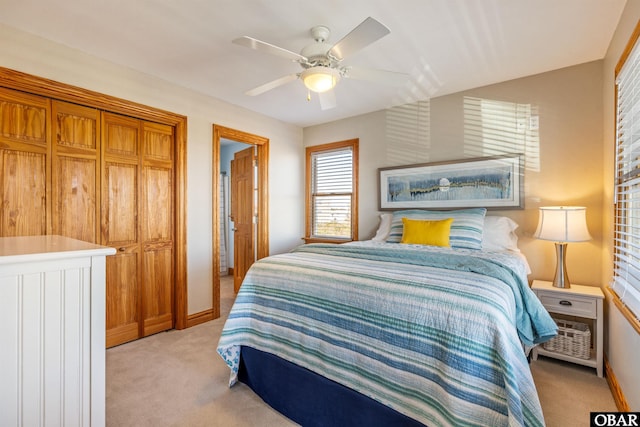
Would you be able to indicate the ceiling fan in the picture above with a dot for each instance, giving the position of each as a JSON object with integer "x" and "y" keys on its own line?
{"x": 322, "y": 62}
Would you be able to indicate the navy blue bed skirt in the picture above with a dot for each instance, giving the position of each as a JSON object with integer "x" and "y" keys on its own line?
{"x": 310, "y": 399}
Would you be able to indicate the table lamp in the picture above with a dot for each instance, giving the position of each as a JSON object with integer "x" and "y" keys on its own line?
{"x": 562, "y": 224}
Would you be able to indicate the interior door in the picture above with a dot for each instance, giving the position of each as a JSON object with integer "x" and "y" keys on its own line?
{"x": 242, "y": 213}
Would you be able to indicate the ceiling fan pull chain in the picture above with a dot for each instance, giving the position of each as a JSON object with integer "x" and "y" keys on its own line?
{"x": 308, "y": 95}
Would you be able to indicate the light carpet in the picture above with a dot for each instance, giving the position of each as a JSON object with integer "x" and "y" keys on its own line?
{"x": 176, "y": 378}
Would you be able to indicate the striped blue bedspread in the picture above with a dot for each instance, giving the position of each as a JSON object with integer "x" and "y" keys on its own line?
{"x": 438, "y": 334}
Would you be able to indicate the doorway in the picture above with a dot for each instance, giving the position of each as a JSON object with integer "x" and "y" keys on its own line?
{"x": 262, "y": 205}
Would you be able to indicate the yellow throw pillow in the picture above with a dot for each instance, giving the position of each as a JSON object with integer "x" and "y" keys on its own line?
{"x": 422, "y": 232}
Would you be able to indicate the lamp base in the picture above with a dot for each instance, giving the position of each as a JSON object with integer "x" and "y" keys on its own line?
{"x": 561, "y": 279}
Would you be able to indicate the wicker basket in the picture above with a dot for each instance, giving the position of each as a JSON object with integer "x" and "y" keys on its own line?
{"x": 573, "y": 339}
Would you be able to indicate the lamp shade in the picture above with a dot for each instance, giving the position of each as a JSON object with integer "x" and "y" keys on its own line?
{"x": 563, "y": 224}
{"x": 320, "y": 79}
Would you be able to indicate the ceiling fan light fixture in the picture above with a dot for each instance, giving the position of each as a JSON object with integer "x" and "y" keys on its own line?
{"x": 320, "y": 79}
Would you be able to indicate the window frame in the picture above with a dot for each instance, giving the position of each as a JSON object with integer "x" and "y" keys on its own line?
{"x": 622, "y": 241}
{"x": 309, "y": 197}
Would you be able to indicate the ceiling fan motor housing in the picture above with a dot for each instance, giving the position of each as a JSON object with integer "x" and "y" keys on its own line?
{"x": 316, "y": 53}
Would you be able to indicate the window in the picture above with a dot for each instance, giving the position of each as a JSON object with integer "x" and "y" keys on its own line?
{"x": 626, "y": 274}
{"x": 332, "y": 192}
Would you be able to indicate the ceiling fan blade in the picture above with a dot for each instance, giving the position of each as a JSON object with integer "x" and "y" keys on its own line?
{"x": 361, "y": 36}
{"x": 327, "y": 99}
{"x": 256, "y": 44}
{"x": 377, "y": 76}
{"x": 271, "y": 85}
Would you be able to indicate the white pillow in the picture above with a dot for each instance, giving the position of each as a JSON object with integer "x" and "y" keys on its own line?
{"x": 466, "y": 229}
{"x": 499, "y": 234}
{"x": 384, "y": 228}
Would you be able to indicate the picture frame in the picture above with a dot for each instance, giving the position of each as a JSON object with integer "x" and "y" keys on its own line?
{"x": 495, "y": 182}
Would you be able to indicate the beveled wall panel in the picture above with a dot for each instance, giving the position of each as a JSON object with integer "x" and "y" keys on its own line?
{"x": 158, "y": 142}
{"x": 120, "y": 132}
{"x": 121, "y": 188}
{"x": 157, "y": 187}
{"x": 158, "y": 289}
{"x": 75, "y": 210}
{"x": 23, "y": 118}
{"x": 23, "y": 185}
{"x": 122, "y": 291}
{"x": 76, "y": 131}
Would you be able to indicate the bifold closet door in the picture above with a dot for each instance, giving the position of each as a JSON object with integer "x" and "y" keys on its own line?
{"x": 137, "y": 208}
{"x": 49, "y": 167}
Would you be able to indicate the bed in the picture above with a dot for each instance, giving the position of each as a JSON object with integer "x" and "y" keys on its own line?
{"x": 388, "y": 333}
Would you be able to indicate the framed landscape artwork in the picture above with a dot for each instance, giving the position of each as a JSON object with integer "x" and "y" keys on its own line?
{"x": 490, "y": 182}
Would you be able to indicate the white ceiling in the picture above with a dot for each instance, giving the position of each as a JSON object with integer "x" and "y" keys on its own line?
{"x": 445, "y": 46}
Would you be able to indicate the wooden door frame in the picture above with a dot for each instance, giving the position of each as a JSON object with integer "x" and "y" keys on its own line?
{"x": 20, "y": 81}
{"x": 262, "y": 231}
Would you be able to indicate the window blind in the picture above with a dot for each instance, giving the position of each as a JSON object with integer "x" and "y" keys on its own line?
{"x": 626, "y": 274}
{"x": 331, "y": 193}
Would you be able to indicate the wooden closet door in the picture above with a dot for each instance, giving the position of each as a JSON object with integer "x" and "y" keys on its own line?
{"x": 157, "y": 231}
{"x": 120, "y": 228}
{"x": 75, "y": 194}
{"x": 138, "y": 220}
{"x": 25, "y": 164}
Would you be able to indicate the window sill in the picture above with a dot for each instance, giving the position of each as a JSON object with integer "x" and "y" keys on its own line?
{"x": 320, "y": 240}
{"x": 628, "y": 314}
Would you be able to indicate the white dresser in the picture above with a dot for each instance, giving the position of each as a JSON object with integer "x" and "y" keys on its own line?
{"x": 52, "y": 331}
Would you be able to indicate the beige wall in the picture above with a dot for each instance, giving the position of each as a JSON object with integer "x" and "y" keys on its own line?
{"x": 622, "y": 342}
{"x": 562, "y": 167}
{"x": 568, "y": 104}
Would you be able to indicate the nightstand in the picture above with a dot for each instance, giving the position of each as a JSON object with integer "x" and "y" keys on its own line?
{"x": 584, "y": 302}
